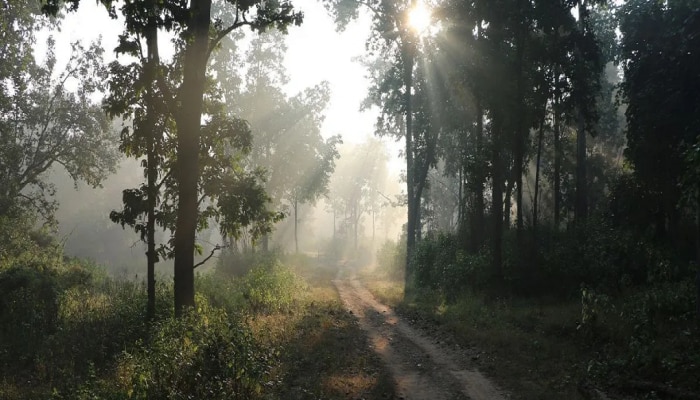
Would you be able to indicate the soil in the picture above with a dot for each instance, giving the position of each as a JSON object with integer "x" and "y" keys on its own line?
{"x": 422, "y": 367}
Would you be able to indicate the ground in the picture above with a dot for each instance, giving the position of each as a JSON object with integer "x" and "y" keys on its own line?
{"x": 421, "y": 366}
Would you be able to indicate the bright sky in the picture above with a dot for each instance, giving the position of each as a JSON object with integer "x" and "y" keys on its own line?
{"x": 316, "y": 52}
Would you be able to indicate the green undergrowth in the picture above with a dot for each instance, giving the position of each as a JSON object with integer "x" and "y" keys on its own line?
{"x": 69, "y": 331}
{"x": 628, "y": 336}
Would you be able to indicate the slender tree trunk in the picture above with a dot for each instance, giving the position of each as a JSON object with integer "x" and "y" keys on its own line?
{"x": 697, "y": 249}
{"x": 151, "y": 163}
{"x": 460, "y": 205}
{"x": 374, "y": 215}
{"x": 581, "y": 208}
{"x": 478, "y": 223}
{"x": 410, "y": 180}
{"x": 356, "y": 223}
{"x": 508, "y": 198}
{"x": 557, "y": 155}
{"x": 521, "y": 130}
{"x": 535, "y": 202}
{"x": 296, "y": 225}
{"x": 497, "y": 198}
{"x": 188, "y": 130}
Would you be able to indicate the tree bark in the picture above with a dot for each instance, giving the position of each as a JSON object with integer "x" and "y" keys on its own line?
{"x": 188, "y": 130}
{"x": 697, "y": 249}
{"x": 151, "y": 161}
{"x": 497, "y": 198}
{"x": 480, "y": 178}
{"x": 581, "y": 210}
{"x": 581, "y": 206}
{"x": 296, "y": 225}
{"x": 508, "y": 198}
{"x": 535, "y": 202}
{"x": 411, "y": 222}
{"x": 557, "y": 154}
{"x": 520, "y": 129}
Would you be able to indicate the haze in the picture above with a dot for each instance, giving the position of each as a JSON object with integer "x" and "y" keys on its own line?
{"x": 349, "y": 199}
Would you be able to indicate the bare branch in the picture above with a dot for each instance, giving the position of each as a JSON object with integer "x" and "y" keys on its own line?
{"x": 214, "y": 250}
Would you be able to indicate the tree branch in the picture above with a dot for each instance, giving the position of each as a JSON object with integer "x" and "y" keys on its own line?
{"x": 214, "y": 250}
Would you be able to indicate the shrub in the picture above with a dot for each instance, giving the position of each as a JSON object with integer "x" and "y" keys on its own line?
{"x": 202, "y": 355}
{"x": 272, "y": 287}
{"x": 237, "y": 264}
{"x": 391, "y": 259}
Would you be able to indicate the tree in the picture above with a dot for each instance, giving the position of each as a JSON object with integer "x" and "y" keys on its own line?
{"x": 395, "y": 43}
{"x": 199, "y": 36}
{"x": 358, "y": 185}
{"x": 47, "y": 115}
{"x": 287, "y": 141}
{"x": 661, "y": 81}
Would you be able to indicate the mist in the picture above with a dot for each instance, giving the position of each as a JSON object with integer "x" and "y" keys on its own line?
{"x": 350, "y": 199}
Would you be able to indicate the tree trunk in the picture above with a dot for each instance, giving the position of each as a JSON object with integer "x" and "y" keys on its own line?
{"x": 581, "y": 207}
{"x": 557, "y": 155}
{"x": 411, "y": 204}
{"x": 535, "y": 201}
{"x": 153, "y": 62}
{"x": 697, "y": 248}
{"x": 497, "y": 199}
{"x": 521, "y": 130}
{"x": 480, "y": 178}
{"x": 188, "y": 129}
{"x": 374, "y": 215}
{"x": 296, "y": 225}
{"x": 581, "y": 210}
{"x": 508, "y": 198}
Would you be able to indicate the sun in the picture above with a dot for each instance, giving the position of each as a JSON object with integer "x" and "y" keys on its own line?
{"x": 419, "y": 17}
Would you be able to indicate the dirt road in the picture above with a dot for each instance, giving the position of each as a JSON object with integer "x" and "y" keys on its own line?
{"x": 422, "y": 369}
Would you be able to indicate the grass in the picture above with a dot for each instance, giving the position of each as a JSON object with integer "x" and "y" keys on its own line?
{"x": 282, "y": 326}
{"x": 323, "y": 352}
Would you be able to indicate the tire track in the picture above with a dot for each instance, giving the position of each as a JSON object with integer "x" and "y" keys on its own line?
{"x": 421, "y": 369}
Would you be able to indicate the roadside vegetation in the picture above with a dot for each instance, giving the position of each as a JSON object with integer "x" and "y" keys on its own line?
{"x": 278, "y": 330}
{"x": 589, "y": 324}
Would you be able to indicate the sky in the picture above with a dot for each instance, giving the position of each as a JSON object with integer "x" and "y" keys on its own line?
{"x": 316, "y": 52}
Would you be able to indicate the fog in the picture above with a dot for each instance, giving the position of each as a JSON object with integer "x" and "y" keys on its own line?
{"x": 358, "y": 193}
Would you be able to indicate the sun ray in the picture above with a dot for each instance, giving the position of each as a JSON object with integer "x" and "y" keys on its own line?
{"x": 419, "y": 18}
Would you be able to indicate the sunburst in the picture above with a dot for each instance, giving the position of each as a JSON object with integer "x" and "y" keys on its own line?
{"x": 419, "y": 17}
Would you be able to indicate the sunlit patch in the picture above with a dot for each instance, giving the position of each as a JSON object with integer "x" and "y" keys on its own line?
{"x": 419, "y": 18}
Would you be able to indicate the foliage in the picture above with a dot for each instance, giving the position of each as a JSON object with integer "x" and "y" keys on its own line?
{"x": 203, "y": 354}
{"x": 265, "y": 286}
{"x": 358, "y": 188}
{"x": 48, "y": 117}
{"x": 74, "y": 332}
{"x": 391, "y": 259}
{"x": 659, "y": 87}
{"x": 286, "y": 131}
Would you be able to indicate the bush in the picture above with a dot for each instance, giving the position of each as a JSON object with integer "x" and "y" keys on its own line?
{"x": 272, "y": 287}
{"x": 267, "y": 287}
{"x": 391, "y": 259}
{"x": 440, "y": 264}
{"x": 237, "y": 264}
{"x": 202, "y": 355}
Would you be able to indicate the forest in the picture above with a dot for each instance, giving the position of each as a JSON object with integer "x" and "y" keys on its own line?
{"x": 187, "y": 214}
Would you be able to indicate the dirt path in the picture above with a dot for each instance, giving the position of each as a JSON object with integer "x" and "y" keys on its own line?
{"x": 421, "y": 368}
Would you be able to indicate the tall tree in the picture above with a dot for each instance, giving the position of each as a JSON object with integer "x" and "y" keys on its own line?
{"x": 660, "y": 87}
{"x": 199, "y": 35}
{"x": 396, "y": 40}
{"x": 287, "y": 139}
{"x": 47, "y": 115}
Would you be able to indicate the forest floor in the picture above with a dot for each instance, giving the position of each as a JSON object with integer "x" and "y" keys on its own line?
{"x": 422, "y": 366}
